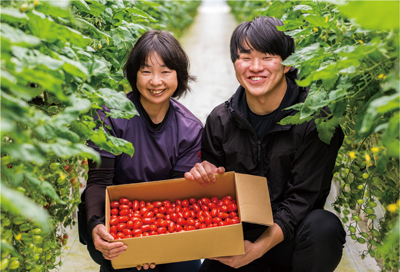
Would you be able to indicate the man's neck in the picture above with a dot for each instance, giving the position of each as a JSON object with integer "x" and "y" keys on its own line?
{"x": 266, "y": 104}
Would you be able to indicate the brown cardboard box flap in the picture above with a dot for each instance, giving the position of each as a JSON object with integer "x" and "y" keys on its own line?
{"x": 252, "y": 193}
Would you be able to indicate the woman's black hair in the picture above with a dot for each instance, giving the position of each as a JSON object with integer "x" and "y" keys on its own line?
{"x": 171, "y": 52}
{"x": 260, "y": 34}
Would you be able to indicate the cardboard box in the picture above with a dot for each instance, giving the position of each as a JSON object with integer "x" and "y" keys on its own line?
{"x": 252, "y": 196}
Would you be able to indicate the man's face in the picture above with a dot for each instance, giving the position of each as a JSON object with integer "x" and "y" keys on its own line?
{"x": 260, "y": 74}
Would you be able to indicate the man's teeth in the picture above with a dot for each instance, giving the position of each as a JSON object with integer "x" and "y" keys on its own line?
{"x": 156, "y": 91}
{"x": 256, "y": 78}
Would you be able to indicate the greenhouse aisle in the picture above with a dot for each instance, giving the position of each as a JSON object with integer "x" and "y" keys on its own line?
{"x": 207, "y": 44}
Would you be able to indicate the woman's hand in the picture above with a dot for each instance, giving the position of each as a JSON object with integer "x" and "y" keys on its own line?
{"x": 100, "y": 237}
{"x": 204, "y": 172}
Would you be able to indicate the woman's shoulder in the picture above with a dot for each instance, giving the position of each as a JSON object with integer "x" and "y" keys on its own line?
{"x": 184, "y": 115}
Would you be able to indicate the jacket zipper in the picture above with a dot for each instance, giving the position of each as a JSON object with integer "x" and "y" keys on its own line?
{"x": 259, "y": 159}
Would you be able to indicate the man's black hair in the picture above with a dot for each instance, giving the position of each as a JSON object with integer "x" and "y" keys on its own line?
{"x": 260, "y": 34}
{"x": 171, "y": 52}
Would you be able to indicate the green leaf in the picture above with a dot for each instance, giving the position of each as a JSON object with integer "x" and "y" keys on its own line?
{"x": 111, "y": 144}
{"x": 24, "y": 152}
{"x": 390, "y": 138}
{"x": 65, "y": 149}
{"x": 117, "y": 101}
{"x": 327, "y": 128}
{"x": 304, "y": 54}
{"x": 74, "y": 68}
{"x": 50, "y": 9}
{"x": 294, "y": 120}
{"x": 94, "y": 30}
{"x": 141, "y": 13}
{"x": 13, "y": 176}
{"x": 18, "y": 204}
{"x": 302, "y": 7}
{"x": 122, "y": 37}
{"x": 378, "y": 107}
{"x": 92, "y": 7}
{"x": 43, "y": 187}
{"x": 15, "y": 36}
{"x": 12, "y": 15}
{"x": 385, "y": 14}
{"x": 7, "y": 247}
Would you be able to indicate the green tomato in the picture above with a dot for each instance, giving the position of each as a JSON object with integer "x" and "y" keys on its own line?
{"x": 372, "y": 242}
{"x": 365, "y": 175}
{"x": 54, "y": 165}
{"x": 37, "y": 239}
{"x": 353, "y": 237}
{"x": 18, "y": 220}
{"x": 371, "y": 216}
{"x": 352, "y": 229}
{"x": 346, "y": 212}
{"x": 37, "y": 231}
{"x": 367, "y": 194}
{"x": 371, "y": 204}
{"x": 364, "y": 234}
{"x": 360, "y": 201}
{"x": 356, "y": 218}
{"x": 5, "y": 222}
{"x": 14, "y": 264}
{"x": 4, "y": 264}
{"x": 24, "y": 227}
{"x": 345, "y": 220}
{"x": 369, "y": 210}
{"x": 361, "y": 240}
{"x": 374, "y": 232}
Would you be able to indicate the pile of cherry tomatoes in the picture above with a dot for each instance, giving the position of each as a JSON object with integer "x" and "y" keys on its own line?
{"x": 138, "y": 218}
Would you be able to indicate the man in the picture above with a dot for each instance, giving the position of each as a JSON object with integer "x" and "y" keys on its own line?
{"x": 242, "y": 135}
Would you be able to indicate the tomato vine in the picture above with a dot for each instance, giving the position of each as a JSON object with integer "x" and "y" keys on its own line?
{"x": 60, "y": 61}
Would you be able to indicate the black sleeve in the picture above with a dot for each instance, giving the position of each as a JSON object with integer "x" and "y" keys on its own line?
{"x": 177, "y": 174}
{"x": 98, "y": 179}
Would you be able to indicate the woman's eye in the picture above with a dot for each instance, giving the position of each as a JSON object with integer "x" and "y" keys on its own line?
{"x": 166, "y": 72}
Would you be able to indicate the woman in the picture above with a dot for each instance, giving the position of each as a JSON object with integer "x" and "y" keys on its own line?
{"x": 166, "y": 138}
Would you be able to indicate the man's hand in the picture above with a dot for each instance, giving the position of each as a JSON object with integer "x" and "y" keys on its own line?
{"x": 204, "y": 172}
{"x": 100, "y": 237}
{"x": 146, "y": 266}
{"x": 251, "y": 254}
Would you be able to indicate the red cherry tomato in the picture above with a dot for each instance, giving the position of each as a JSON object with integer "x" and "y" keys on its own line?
{"x": 113, "y": 229}
{"x": 123, "y": 219}
{"x": 137, "y": 224}
{"x": 211, "y": 205}
{"x": 121, "y": 226}
{"x": 148, "y": 215}
{"x": 157, "y": 204}
{"x": 123, "y": 207}
{"x": 224, "y": 208}
{"x": 126, "y": 232}
{"x": 208, "y": 220}
{"x": 120, "y": 235}
{"x": 205, "y": 201}
{"x": 136, "y": 232}
{"x": 148, "y": 220}
{"x": 216, "y": 220}
{"x": 214, "y": 199}
{"x": 161, "y": 230}
{"x": 129, "y": 224}
{"x": 232, "y": 214}
{"x": 192, "y": 200}
{"x": 190, "y": 221}
{"x": 178, "y": 228}
{"x": 185, "y": 203}
{"x": 196, "y": 207}
{"x": 142, "y": 204}
{"x": 174, "y": 217}
{"x": 232, "y": 208}
{"x": 124, "y": 212}
{"x": 114, "y": 204}
{"x": 160, "y": 215}
{"x": 153, "y": 228}
{"x": 166, "y": 204}
{"x": 204, "y": 207}
{"x": 162, "y": 209}
{"x": 171, "y": 226}
{"x": 114, "y": 211}
{"x": 135, "y": 205}
{"x": 181, "y": 221}
{"x": 223, "y": 215}
{"x": 145, "y": 228}
{"x": 214, "y": 212}
{"x": 123, "y": 201}
{"x": 150, "y": 207}
{"x": 114, "y": 221}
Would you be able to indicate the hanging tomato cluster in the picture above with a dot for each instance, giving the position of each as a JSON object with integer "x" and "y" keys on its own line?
{"x": 138, "y": 218}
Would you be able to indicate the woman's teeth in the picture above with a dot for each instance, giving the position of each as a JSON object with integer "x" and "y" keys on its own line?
{"x": 156, "y": 91}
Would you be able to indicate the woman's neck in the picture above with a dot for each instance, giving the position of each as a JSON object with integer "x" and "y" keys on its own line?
{"x": 156, "y": 112}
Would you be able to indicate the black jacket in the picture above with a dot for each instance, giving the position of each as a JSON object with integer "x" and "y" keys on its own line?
{"x": 297, "y": 164}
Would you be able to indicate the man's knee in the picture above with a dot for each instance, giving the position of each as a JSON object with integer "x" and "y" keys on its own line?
{"x": 322, "y": 226}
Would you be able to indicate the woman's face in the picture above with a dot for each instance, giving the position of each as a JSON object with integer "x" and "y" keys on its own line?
{"x": 155, "y": 81}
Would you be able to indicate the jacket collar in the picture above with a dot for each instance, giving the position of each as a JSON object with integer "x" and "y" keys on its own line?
{"x": 237, "y": 104}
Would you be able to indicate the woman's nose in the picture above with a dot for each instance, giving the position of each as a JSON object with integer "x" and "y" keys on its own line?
{"x": 156, "y": 80}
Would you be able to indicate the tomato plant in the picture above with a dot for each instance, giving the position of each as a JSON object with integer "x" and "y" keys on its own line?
{"x": 60, "y": 62}
{"x": 351, "y": 64}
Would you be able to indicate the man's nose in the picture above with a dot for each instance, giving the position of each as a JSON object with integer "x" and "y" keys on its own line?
{"x": 256, "y": 65}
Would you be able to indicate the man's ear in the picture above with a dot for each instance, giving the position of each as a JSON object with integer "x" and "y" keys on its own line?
{"x": 286, "y": 69}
